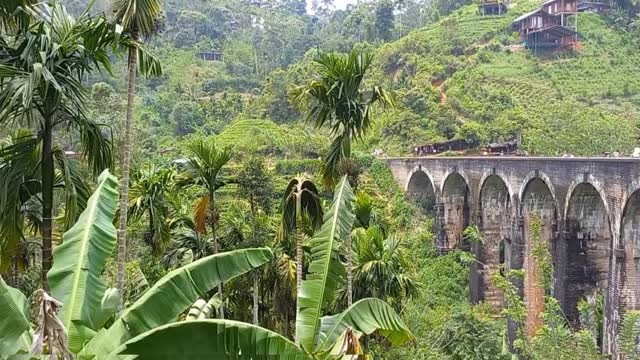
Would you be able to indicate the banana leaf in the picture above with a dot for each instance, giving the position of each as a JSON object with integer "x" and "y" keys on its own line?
{"x": 202, "y": 309}
{"x": 196, "y": 310}
{"x": 75, "y": 277}
{"x": 173, "y": 294}
{"x": 14, "y": 323}
{"x": 365, "y": 316}
{"x": 212, "y": 339}
{"x": 325, "y": 270}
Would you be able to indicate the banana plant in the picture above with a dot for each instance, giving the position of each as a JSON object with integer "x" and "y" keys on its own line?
{"x": 15, "y": 327}
{"x": 321, "y": 337}
{"x": 87, "y": 303}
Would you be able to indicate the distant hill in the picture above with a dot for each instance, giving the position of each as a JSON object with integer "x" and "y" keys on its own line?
{"x": 464, "y": 76}
{"x": 467, "y": 76}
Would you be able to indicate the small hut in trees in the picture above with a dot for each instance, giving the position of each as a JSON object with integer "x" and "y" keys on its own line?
{"x": 211, "y": 56}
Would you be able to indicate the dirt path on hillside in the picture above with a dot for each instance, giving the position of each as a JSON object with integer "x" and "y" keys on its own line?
{"x": 439, "y": 84}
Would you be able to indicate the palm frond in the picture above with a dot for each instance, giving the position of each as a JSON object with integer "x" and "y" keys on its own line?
{"x": 95, "y": 147}
{"x": 301, "y": 195}
{"x": 15, "y": 15}
{"x": 140, "y": 17}
{"x": 76, "y": 189}
{"x": 200, "y": 213}
{"x": 19, "y": 184}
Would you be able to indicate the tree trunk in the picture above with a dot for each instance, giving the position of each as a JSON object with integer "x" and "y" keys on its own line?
{"x": 212, "y": 210}
{"x": 256, "y": 273}
{"x": 126, "y": 158}
{"x": 348, "y": 239}
{"x": 349, "y": 271}
{"x": 47, "y": 199}
{"x": 256, "y": 286}
{"x": 299, "y": 264}
{"x": 299, "y": 257}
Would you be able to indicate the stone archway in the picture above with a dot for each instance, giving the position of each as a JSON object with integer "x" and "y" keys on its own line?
{"x": 588, "y": 244}
{"x": 421, "y": 190}
{"x": 630, "y": 239}
{"x": 495, "y": 210}
{"x": 455, "y": 199}
{"x": 538, "y": 202}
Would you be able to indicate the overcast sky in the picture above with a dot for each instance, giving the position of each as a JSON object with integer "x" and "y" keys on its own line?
{"x": 341, "y": 4}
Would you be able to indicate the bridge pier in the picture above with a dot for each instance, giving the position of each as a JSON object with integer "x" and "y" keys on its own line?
{"x": 516, "y": 263}
{"x": 442, "y": 243}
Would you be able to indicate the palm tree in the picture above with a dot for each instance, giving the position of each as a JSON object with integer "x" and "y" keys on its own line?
{"x": 148, "y": 196}
{"x": 300, "y": 203}
{"x": 145, "y": 327}
{"x": 88, "y": 315}
{"x": 21, "y": 192}
{"x": 138, "y": 19}
{"x": 321, "y": 337}
{"x": 254, "y": 184}
{"x": 40, "y": 73}
{"x": 339, "y": 102}
{"x": 204, "y": 169}
{"x": 187, "y": 247}
{"x": 381, "y": 267}
{"x": 365, "y": 210}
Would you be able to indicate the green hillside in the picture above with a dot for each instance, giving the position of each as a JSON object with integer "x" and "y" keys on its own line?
{"x": 467, "y": 76}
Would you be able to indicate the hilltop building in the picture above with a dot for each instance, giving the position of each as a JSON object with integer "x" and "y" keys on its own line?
{"x": 493, "y": 7}
{"x": 554, "y": 24}
{"x": 594, "y": 7}
{"x": 211, "y": 56}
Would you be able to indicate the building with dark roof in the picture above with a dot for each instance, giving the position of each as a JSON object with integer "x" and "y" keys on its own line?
{"x": 554, "y": 24}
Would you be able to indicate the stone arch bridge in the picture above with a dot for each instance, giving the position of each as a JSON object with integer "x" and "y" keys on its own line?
{"x": 589, "y": 212}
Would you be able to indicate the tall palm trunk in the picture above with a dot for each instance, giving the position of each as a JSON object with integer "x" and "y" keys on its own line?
{"x": 299, "y": 264}
{"x": 256, "y": 303}
{"x": 299, "y": 240}
{"x": 47, "y": 198}
{"x": 349, "y": 271}
{"x": 299, "y": 260}
{"x": 214, "y": 239}
{"x": 347, "y": 155}
{"x": 126, "y": 158}
{"x": 256, "y": 273}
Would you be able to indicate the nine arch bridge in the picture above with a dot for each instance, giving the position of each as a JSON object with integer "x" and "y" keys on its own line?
{"x": 589, "y": 210}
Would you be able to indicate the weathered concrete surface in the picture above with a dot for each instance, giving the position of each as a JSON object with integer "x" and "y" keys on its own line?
{"x": 590, "y": 212}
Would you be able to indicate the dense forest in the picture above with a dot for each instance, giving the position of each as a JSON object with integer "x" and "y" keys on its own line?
{"x": 196, "y": 178}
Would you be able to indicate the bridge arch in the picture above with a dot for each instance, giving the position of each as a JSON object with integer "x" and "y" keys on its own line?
{"x": 589, "y": 240}
{"x": 455, "y": 171}
{"x": 456, "y": 199}
{"x": 532, "y": 176}
{"x": 505, "y": 179}
{"x": 421, "y": 188}
{"x": 495, "y": 210}
{"x": 630, "y": 242}
{"x": 538, "y": 202}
